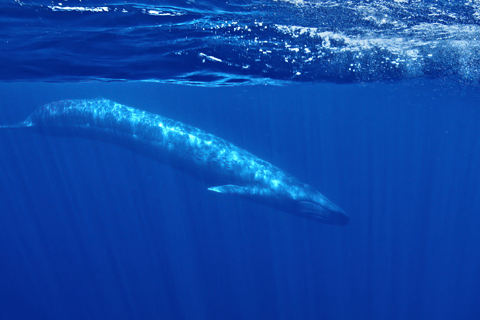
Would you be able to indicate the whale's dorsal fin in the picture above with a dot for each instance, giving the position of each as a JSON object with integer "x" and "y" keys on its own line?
{"x": 247, "y": 191}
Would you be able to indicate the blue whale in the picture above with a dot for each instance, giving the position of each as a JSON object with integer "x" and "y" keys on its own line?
{"x": 222, "y": 165}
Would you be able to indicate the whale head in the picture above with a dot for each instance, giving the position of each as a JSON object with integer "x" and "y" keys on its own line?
{"x": 299, "y": 199}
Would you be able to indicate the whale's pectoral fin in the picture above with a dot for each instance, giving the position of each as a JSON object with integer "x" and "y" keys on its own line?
{"x": 252, "y": 192}
{"x": 232, "y": 189}
{"x": 15, "y": 126}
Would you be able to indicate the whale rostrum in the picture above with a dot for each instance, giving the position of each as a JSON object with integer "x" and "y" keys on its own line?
{"x": 226, "y": 168}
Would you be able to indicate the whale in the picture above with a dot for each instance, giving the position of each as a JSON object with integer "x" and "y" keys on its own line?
{"x": 222, "y": 166}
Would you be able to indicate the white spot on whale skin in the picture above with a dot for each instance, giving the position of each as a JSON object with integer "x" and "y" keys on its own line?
{"x": 275, "y": 183}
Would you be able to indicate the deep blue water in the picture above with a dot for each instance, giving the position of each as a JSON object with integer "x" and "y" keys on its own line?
{"x": 375, "y": 104}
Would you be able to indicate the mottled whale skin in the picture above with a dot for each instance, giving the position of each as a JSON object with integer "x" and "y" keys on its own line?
{"x": 222, "y": 165}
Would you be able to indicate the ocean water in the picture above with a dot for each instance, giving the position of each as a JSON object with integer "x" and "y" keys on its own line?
{"x": 373, "y": 104}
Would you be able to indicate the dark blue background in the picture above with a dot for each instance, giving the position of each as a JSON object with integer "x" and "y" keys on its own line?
{"x": 89, "y": 230}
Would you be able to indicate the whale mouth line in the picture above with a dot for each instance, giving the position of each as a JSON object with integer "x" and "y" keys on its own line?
{"x": 307, "y": 206}
{"x": 324, "y": 214}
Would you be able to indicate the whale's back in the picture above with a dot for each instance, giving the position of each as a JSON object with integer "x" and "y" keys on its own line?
{"x": 181, "y": 146}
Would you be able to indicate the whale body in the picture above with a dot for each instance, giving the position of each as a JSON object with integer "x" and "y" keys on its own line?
{"x": 226, "y": 168}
